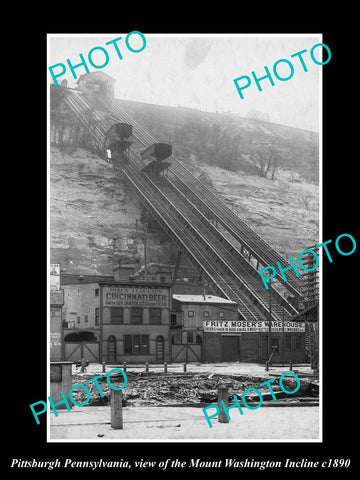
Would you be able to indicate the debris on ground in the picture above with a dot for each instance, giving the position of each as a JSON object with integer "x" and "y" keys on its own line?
{"x": 191, "y": 389}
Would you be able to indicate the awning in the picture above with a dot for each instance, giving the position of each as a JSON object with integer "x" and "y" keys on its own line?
{"x": 310, "y": 314}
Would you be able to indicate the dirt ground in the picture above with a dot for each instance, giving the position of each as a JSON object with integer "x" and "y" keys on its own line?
{"x": 161, "y": 406}
{"x": 182, "y": 424}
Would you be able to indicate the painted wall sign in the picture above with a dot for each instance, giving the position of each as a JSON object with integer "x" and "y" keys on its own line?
{"x": 136, "y": 297}
{"x": 251, "y": 326}
{"x": 57, "y": 297}
{"x": 54, "y": 276}
{"x": 55, "y": 333}
{"x": 55, "y": 373}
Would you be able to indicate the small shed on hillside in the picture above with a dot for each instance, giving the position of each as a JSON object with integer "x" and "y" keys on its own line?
{"x": 97, "y": 82}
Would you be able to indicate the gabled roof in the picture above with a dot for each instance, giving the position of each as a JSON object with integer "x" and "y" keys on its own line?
{"x": 96, "y": 74}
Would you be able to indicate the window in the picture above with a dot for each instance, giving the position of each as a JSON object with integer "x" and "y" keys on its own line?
{"x": 78, "y": 319}
{"x": 127, "y": 344}
{"x": 206, "y": 313}
{"x": 190, "y": 337}
{"x": 162, "y": 279}
{"x": 287, "y": 342}
{"x": 97, "y": 291}
{"x": 298, "y": 342}
{"x": 155, "y": 316}
{"x": 97, "y": 316}
{"x": 116, "y": 316}
{"x": 136, "y": 316}
{"x": 86, "y": 318}
{"x": 136, "y": 344}
{"x": 221, "y": 314}
{"x": 190, "y": 313}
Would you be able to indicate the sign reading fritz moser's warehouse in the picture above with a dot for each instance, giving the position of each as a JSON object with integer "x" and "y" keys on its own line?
{"x": 247, "y": 326}
{"x": 136, "y": 297}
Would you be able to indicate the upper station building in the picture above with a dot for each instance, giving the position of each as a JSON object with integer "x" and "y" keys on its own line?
{"x": 97, "y": 82}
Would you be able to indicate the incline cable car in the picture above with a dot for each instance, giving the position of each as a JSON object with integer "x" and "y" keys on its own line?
{"x": 118, "y": 140}
{"x": 154, "y": 157}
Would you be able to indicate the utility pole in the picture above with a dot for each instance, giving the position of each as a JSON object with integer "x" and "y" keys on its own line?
{"x": 145, "y": 246}
{"x": 283, "y": 336}
{"x": 270, "y": 333}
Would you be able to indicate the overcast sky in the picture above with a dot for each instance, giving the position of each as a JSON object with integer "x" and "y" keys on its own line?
{"x": 197, "y": 71}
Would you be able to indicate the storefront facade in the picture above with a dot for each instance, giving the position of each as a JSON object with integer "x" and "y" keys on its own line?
{"x": 248, "y": 341}
{"x": 135, "y": 322}
{"x": 207, "y": 329}
{"x": 190, "y": 340}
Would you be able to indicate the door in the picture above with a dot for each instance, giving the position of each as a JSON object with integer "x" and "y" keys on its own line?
{"x": 231, "y": 348}
{"x": 87, "y": 351}
{"x": 159, "y": 348}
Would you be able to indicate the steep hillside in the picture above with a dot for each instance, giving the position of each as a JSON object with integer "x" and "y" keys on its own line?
{"x": 285, "y": 211}
{"x": 95, "y": 219}
{"x": 230, "y": 141}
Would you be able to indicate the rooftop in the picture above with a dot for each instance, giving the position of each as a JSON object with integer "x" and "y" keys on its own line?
{"x": 207, "y": 299}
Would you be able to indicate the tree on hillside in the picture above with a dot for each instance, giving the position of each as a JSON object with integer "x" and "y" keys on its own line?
{"x": 266, "y": 159}
{"x": 225, "y": 148}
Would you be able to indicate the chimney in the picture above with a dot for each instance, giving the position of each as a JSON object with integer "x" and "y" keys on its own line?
{"x": 122, "y": 273}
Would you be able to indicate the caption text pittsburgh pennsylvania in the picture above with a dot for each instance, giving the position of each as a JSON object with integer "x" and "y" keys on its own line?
{"x": 184, "y": 238}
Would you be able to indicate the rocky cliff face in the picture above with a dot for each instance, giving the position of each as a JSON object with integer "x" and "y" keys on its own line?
{"x": 285, "y": 211}
{"x": 95, "y": 219}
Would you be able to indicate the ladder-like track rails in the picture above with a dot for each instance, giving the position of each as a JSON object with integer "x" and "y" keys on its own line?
{"x": 162, "y": 211}
{"x": 236, "y": 282}
{"x": 206, "y": 235}
{"x": 218, "y": 210}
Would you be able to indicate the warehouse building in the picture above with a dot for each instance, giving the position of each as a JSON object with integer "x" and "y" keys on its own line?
{"x": 193, "y": 333}
{"x": 207, "y": 328}
{"x": 135, "y": 320}
{"x": 116, "y": 320}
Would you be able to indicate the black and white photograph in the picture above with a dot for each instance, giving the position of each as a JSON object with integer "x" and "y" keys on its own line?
{"x": 188, "y": 225}
{"x": 184, "y": 203}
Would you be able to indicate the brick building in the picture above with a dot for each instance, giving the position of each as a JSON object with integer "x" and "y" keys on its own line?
{"x": 192, "y": 323}
{"x": 111, "y": 319}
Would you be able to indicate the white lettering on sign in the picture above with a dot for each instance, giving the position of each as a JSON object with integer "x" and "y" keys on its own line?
{"x": 136, "y": 297}
{"x": 251, "y": 326}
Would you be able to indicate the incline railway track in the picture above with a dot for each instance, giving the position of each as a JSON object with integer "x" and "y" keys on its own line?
{"x": 163, "y": 211}
{"x": 221, "y": 256}
{"x": 176, "y": 207}
{"x": 213, "y": 205}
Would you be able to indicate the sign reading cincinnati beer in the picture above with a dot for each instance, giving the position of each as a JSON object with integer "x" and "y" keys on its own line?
{"x": 136, "y": 297}
{"x": 235, "y": 326}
